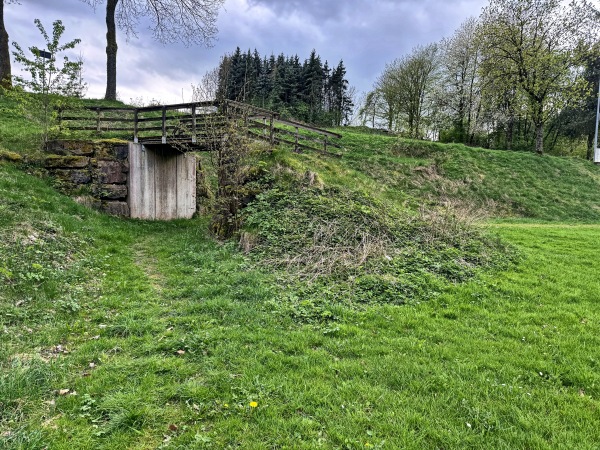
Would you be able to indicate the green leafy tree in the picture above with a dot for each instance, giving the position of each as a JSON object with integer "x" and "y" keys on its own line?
{"x": 405, "y": 87}
{"x": 540, "y": 45}
{"x": 50, "y": 84}
{"x": 416, "y": 79}
{"x": 459, "y": 93}
{"x": 370, "y": 110}
{"x": 386, "y": 96}
{"x": 577, "y": 122}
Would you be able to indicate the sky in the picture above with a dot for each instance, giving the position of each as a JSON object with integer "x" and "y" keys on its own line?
{"x": 365, "y": 34}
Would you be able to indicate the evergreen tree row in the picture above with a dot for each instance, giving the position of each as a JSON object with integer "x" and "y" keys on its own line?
{"x": 310, "y": 91}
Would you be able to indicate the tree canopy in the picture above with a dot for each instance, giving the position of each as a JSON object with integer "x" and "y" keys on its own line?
{"x": 516, "y": 77}
{"x": 310, "y": 90}
{"x": 537, "y": 47}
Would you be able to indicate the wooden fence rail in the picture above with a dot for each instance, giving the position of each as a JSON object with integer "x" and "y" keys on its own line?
{"x": 196, "y": 124}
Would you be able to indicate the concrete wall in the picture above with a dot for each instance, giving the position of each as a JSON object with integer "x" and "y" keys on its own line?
{"x": 162, "y": 183}
{"x": 161, "y": 186}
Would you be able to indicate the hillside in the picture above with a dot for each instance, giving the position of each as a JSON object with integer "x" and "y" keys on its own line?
{"x": 414, "y": 327}
{"x": 490, "y": 183}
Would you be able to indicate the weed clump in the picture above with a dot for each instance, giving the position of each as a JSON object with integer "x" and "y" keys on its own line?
{"x": 352, "y": 248}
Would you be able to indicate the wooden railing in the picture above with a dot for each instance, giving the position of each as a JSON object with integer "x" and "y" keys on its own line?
{"x": 198, "y": 124}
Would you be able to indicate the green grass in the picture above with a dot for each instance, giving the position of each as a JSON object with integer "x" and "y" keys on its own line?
{"x": 130, "y": 334}
{"x": 183, "y": 334}
{"x": 495, "y": 183}
{"x": 21, "y": 135}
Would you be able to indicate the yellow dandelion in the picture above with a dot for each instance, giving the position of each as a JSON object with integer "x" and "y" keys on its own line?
{"x": 253, "y": 404}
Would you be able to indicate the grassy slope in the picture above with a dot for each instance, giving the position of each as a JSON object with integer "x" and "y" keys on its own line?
{"x": 505, "y": 184}
{"x": 182, "y": 335}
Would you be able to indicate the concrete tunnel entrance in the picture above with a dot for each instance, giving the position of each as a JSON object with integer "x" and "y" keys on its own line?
{"x": 162, "y": 183}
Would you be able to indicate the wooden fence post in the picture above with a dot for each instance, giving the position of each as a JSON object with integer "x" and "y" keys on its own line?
{"x": 59, "y": 113}
{"x": 193, "y": 124}
{"x": 164, "y": 125}
{"x": 135, "y": 126}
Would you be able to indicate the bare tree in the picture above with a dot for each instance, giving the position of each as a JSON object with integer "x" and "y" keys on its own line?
{"x": 188, "y": 21}
{"x": 5, "y": 69}
{"x": 208, "y": 87}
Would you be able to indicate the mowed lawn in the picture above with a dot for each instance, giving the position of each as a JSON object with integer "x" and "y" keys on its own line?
{"x": 173, "y": 341}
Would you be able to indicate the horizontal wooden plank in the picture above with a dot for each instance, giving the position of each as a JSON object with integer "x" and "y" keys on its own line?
{"x": 107, "y": 108}
{"x": 179, "y": 106}
{"x": 307, "y": 147}
{"x": 187, "y": 118}
{"x": 102, "y": 129}
{"x": 247, "y": 107}
{"x": 309, "y": 128}
{"x": 301, "y": 136}
{"x": 95, "y": 119}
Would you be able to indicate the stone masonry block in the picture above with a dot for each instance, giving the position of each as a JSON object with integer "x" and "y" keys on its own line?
{"x": 121, "y": 152}
{"x": 74, "y": 162}
{"x": 77, "y": 148}
{"x": 111, "y": 172}
{"x": 74, "y": 176}
{"x": 113, "y": 191}
{"x": 116, "y": 208}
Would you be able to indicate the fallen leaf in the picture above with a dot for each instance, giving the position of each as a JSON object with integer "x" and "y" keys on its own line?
{"x": 64, "y": 391}
{"x": 173, "y": 427}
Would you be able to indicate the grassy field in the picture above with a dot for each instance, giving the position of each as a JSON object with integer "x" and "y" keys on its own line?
{"x": 126, "y": 334}
{"x": 131, "y": 334}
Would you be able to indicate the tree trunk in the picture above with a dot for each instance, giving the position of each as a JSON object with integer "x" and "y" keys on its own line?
{"x": 111, "y": 51}
{"x": 5, "y": 71}
{"x": 510, "y": 132}
{"x": 539, "y": 138}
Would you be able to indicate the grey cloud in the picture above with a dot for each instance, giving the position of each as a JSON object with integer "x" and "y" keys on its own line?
{"x": 365, "y": 34}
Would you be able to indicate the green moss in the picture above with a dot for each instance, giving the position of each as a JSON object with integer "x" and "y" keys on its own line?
{"x": 5, "y": 155}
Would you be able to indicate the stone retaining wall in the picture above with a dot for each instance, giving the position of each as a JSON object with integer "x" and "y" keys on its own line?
{"x": 96, "y": 170}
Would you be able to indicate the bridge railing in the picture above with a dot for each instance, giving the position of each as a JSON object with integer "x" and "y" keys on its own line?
{"x": 269, "y": 125}
{"x": 197, "y": 123}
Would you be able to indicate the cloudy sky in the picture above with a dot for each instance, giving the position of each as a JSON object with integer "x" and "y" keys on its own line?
{"x": 365, "y": 34}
